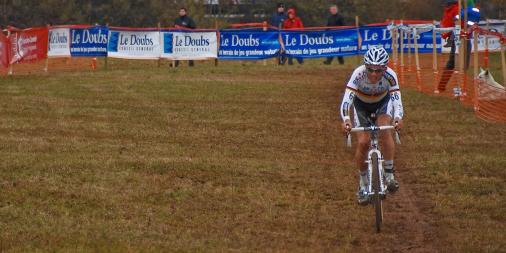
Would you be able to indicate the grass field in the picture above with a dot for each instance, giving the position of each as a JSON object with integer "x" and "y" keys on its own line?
{"x": 234, "y": 158}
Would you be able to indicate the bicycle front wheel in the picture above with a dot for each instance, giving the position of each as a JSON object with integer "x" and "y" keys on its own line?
{"x": 376, "y": 187}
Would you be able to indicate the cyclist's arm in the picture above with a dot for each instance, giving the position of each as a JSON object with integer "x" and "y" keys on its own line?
{"x": 349, "y": 93}
{"x": 395, "y": 95}
{"x": 349, "y": 96}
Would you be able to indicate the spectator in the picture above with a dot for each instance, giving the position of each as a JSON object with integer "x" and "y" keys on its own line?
{"x": 293, "y": 22}
{"x": 451, "y": 11}
{"x": 184, "y": 21}
{"x": 277, "y": 21}
{"x": 335, "y": 19}
{"x": 279, "y": 17}
{"x": 212, "y": 6}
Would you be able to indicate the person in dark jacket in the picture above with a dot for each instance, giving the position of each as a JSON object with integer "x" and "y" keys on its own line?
{"x": 335, "y": 19}
{"x": 277, "y": 20}
{"x": 279, "y": 17}
{"x": 184, "y": 21}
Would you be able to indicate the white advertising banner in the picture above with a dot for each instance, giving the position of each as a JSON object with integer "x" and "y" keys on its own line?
{"x": 134, "y": 44}
{"x": 189, "y": 45}
{"x": 59, "y": 42}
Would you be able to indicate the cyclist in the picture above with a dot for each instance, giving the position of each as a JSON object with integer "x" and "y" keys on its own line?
{"x": 373, "y": 88}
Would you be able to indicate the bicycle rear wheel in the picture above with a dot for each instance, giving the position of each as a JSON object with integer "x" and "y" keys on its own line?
{"x": 377, "y": 202}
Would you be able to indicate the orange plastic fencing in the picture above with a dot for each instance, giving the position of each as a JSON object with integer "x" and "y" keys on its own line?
{"x": 428, "y": 75}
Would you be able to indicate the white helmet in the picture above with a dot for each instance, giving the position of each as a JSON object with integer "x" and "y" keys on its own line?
{"x": 376, "y": 56}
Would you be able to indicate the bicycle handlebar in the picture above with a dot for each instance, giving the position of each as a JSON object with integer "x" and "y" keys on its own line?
{"x": 370, "y": 129}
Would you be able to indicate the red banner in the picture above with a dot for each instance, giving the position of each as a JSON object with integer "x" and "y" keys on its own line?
{"x": 4, "y": 51}
{"x": 28, "y": 45}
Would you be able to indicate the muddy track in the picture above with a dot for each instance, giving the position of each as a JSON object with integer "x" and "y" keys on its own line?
{"x": 405, "y": 219}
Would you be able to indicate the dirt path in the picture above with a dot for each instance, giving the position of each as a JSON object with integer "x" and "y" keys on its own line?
{"x": 405, "y": 219}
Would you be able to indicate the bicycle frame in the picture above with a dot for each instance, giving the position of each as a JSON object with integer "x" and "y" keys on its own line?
{"x": 376, "y": 188}
{"x": 374, "y": 149}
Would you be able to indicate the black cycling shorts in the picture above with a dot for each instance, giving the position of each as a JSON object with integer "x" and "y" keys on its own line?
{"x": 363, "y": 110}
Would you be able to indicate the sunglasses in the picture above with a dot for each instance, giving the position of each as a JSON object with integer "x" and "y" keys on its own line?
{"x": 371, "y": 70}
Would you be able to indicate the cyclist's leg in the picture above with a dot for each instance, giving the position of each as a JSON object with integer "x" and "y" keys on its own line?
{"x": 386, "y": 139}
{"x": 360, "y": 157}
{"x": 361, "y": 151}
{"x": 363, "y": 138}
{"x": 384, "y": 118}
{"x": 385, "y": 113}
{"x": 361, "y": 154}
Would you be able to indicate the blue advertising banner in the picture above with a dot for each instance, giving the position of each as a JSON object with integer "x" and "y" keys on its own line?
{"x": 324, "y": 43}
{"x": 373, "y": 36}
{"x": 425, "y": 44}
{"x": 89, "y": 41}
{"x": 314, "y": 44}
{"x": 248, "y": 44}
{"x": 381, "y": 36}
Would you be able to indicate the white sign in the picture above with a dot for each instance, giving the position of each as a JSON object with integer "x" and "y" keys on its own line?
{"x": 59, "y": 42}
{"x": 134, "y": 44}
{"x": 189, "y": 45}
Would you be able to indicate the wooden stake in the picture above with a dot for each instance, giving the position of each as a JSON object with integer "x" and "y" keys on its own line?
{"x": 475, "y": 68}
{"x": 264, "y": 62}
{"x": 394, "y": 44}
{"x": 434, "y": 48}
{"x": 401, "y": 74}
{"x": 460, "y": 58}
{"x": 503, "y": 63}
{"x": 461, "y": 45}
{"x": 464, "y": 52}
{"x": 417, "y": 60}
{"x": 159, "y": 58}
{"x": 359, "y": 39}
{"x": 475, "y": 54}
{"x": 409, "y": 50}
{"x": 434, "y": 58}
{"x": 402, "y": 48}
{"x": 46, "y": 67}
{"x": 106, "y": 57}
{"x": 464, "y": 29}
{"x": 485, "y": 56}
{"x": 217, "y": 41}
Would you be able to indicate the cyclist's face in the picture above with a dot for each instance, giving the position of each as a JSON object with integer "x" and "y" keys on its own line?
{"x": 374, "y": 72}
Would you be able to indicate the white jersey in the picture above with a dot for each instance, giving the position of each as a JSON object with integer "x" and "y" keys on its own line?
{"x": 360, "y": 87}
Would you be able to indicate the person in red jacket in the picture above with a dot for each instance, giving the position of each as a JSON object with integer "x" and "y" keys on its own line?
{"x": 293, "y": 22}
{"x": 451, "y": 11}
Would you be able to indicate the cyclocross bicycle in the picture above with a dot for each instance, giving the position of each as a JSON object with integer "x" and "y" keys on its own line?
{"x": 376, "y": 188}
